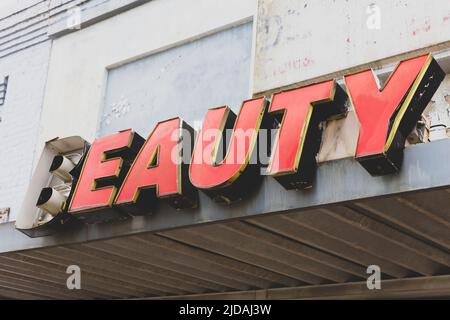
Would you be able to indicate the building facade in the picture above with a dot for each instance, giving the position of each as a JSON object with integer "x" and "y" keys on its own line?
{"x": 91, "y": 68}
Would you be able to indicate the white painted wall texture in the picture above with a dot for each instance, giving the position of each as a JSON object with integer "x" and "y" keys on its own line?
{"x": 19, "y": 126}
{"x": 299, "y": 40}
{"x": 9, "y": 7}
{"x": 24, "y": 57}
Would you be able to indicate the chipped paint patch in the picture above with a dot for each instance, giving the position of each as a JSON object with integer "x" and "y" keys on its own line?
{"x": 336, "y": 36}
{"x": 118, "y": 110}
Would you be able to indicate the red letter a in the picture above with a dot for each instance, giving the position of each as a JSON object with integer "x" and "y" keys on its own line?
{"x": 159, "y": 170}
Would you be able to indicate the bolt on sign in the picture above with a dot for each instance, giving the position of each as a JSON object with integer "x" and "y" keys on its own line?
{"x": 124, "y": 175}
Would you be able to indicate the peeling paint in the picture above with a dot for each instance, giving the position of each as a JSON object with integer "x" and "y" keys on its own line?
{"x": 344, "y": 40}
{"x": 118, "y": 110}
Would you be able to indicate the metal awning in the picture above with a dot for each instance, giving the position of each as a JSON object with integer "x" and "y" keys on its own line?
{"x": 276, "y": 244}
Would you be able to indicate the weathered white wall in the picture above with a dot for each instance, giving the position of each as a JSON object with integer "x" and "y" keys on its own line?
{"x": 299, "y": 40}
{"x": 303, "y": 41}
{"x": 19, "y": 125}
{"x": 24, "y": 56}
{"x": 79, "y": 61}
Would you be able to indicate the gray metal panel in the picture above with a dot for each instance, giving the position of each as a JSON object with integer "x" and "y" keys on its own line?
{"x": 183, "y": 81}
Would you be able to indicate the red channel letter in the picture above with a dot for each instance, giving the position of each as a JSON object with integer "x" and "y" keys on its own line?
{"x": 293, "y": 156}
{"x": 217, "y": 177}
{"x": 158, "y": 171}
{"x": 101, "y": 166}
